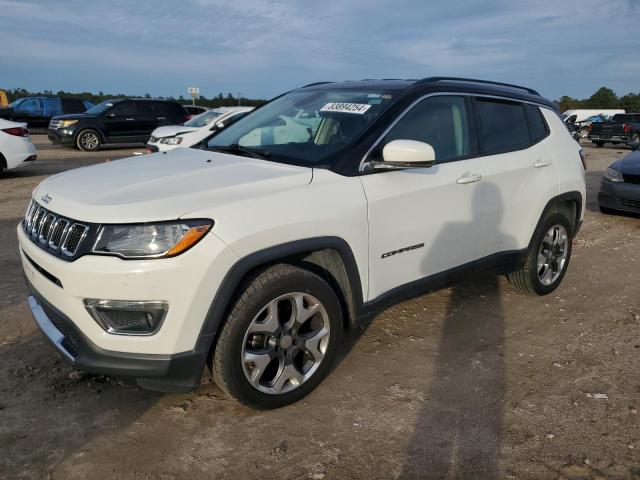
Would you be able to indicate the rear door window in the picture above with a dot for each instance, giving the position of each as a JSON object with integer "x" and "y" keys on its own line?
{"x": 502, "y": 126}
{"x": 124, "y": 109}
{"x": 147, "y": 109}
{"x": 52, "y": 107}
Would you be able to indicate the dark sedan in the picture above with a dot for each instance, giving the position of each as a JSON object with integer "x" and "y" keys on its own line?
{"x": 620, "y": 188}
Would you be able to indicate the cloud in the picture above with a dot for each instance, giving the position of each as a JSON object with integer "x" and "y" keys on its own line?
{"x": 265, "y": 47}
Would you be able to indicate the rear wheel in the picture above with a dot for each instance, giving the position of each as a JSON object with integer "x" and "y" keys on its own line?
{"x": 548, "y": 258}
{"x": 88, "y": 140}
{"x": 280, "y": 338}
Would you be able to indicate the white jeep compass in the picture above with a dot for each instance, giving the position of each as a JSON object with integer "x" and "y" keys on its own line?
{"x": 305, "y": 218}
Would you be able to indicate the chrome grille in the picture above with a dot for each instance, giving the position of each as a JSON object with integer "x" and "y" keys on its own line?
{"x": 56, "y": 234}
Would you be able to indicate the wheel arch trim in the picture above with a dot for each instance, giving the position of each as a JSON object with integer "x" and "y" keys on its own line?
{"x": 233, "y": 279}
{"x": 572, "y": 196}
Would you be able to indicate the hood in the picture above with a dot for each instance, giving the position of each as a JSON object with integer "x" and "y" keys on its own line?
{"x": 629, "y": 164}
{"x": 172, "y": 131}
{"x": 164, "y": 186}
{"x": 73, "y": 116}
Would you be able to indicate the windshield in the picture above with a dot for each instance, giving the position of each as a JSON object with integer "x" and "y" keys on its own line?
{"x": 203, "y": 119}
{"x": 17, "y": 102}
{"x": 307, "y": 127}
{"x": 100, "y": 108}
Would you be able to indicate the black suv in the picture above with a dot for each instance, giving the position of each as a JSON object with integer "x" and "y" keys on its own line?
{"x": 128, "y": 120}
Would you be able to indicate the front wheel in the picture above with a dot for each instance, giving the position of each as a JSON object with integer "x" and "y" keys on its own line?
{"x": 88, "y": 141}
{"x": 548, "y": 258}
{"x": 280, "y": 338}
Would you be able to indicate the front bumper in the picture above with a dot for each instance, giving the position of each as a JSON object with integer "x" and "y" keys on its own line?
{"x": 61, "y": 136}
{"x": 624, "y": 197}
{"x": 167, "y": 373}
{"x": 610, "y": 138}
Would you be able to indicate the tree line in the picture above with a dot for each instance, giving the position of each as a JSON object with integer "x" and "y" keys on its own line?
{"x": 219, "y": 100}
{"x": 604, "y": 98}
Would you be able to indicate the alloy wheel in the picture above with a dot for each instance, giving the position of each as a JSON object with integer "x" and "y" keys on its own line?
{"x": 89, "y": 141}
{"x": 285, "y": 343}
{"x": 552, "y": 255}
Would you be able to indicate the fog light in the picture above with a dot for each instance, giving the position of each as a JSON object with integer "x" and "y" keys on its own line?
{"x": 127, "y": 317}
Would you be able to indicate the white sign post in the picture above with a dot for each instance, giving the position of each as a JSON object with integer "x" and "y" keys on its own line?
{"x": 194, "y": 92}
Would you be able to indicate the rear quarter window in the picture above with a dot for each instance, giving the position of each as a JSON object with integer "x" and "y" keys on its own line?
{"x": 539, "y": 127}
{"x": 502, "y": 126}
{"x": 173, "y": 110}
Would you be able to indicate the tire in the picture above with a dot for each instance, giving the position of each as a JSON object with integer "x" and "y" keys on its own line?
{"x": 284, "y": 370}
{"x": 635, "y": 138}
{"x": 599, "y": 144}
{"x": 88, "y": 140}
{"x": 533, "y": 279}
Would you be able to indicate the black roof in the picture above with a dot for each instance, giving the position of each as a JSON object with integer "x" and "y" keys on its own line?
{"x": 436, "y": 84}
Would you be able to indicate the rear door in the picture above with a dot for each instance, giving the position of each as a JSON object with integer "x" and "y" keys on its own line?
{"x": 520, "y": 175}
{"x": 148, "y": 112}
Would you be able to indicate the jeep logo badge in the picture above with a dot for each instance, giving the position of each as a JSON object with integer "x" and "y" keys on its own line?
{"x": 46, "y": 198}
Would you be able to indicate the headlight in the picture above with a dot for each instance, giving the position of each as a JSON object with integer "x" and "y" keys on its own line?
{"x": 613, "y": 175}
{"x": 147, "y": 240}
{"x": 171, "y": 140}
{"x": 66, "y": 123}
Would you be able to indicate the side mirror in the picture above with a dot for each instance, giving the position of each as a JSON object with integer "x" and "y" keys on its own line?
{"x": 408, "y": 154}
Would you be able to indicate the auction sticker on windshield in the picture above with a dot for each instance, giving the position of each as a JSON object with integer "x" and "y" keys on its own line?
{"x": 358, "y": 108}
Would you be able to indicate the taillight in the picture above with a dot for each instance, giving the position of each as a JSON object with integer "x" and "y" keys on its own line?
{"x": 17, "y": 131}
{"x": 590, "y": 127}
{"x": 583, "y": 159}
{"x": 626, "y": 128}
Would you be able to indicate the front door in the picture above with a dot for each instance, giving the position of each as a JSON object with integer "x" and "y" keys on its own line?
{"x": 121, "y": 122}
{"x": 424, "y": 221}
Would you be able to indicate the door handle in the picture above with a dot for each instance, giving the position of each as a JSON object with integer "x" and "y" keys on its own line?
{"x": 542, "y": 163}
{"x": 161, "y": 118}
{"x": 130, "y": 119}
{"x": 468, "y": 179}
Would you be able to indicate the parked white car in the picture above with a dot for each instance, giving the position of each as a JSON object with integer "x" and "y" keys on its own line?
{"x": 16, "y": 146}
{"x": 195, "y": 130}
{"x": 253, "y": 256}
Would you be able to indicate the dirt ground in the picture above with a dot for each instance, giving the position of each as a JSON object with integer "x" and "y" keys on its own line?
{"x": 473, "y": 381}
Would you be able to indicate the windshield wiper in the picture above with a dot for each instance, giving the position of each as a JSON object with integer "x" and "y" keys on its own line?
{"x": 235, "y": 148}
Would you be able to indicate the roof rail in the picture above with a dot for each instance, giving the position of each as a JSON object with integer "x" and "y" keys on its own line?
{"x": 473, "y": 80}
{"x": 314, "y": 84}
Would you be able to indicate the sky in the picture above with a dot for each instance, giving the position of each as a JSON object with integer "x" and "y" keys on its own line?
{"x": 263, "y": 48}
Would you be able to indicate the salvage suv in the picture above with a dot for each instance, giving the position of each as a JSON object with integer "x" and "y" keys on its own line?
{"x": 254, "y": 255}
